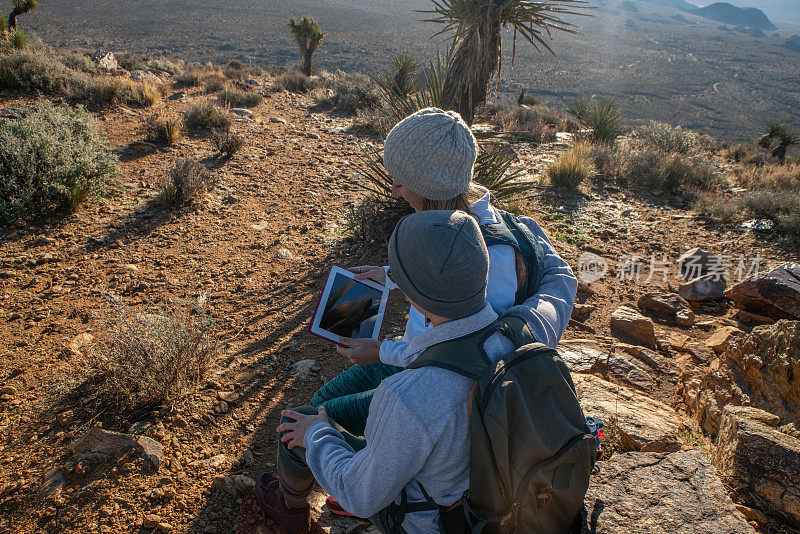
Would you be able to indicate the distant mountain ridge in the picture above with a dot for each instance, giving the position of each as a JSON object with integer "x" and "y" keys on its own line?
{"x": 749, "y": 17}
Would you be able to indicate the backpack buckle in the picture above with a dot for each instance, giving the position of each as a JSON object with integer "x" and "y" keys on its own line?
{"x": 511, "y": 517}
{"x": 543, "y": 498}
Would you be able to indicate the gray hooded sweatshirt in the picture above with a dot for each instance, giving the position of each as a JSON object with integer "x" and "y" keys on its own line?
{"x": 417, "y": 431}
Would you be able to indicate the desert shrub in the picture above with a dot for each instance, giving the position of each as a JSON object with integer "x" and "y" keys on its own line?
{"x": 348, "y": 93}
{"x": 607, "y": 160}
{"x": 778, "y": 177}
{"x": 369, "y": 122}
{"x": 236, "y": 70}
{"x": 164, "y": 65}
{"x": 255, "y": 70}
{"x": 539, "y": 122}
{"x": 107, "y": 91}
{"x": 166, "y": 131}
{"x": 29, "y": 71}
{"x": 716, "y": 207}
{"x": 602, "y": 119}
{"x": 665, "y": 137}
{"x": 187, "y": 180}
{"x": 156, "y": 359}
{"x": 206, "y": 117}
{"x": 52, "y": 158}
{"x": 130, "y": 61}
{"x": 79, "y": 62}
{"x": 227, "y": 143}
{"x": 747, "y": 153}
{"x": 654, "y": 170}
{"x": 190, "y": 77}
{"x": 214, "y": 82}
{"x": 573, "y": 167}
{"x": 18, "y": 40}
{"x": 296, "y": 82}
{"x": 369, "y": 222}
{"x": 239, "y": 98}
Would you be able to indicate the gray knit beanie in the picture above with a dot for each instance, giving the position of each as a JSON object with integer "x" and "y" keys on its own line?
{"x": 432, "y": 153}
{"x": 439, "y": 260}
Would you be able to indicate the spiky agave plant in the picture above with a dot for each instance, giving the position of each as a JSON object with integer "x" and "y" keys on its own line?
{"x": 786, "y": 140}
{"x": 774, "y": 129}
{"x": 20, "y": 8}
{"x": 309, "y": 36}
{"x": 403, "y": 79}
{"x": 475, "y": 26}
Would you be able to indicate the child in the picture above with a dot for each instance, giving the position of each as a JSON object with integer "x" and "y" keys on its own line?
{"x": 430, "y": 156}
{"x": 417, "y": 430}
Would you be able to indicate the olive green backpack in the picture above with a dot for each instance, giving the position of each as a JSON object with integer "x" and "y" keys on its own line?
{"x": 531, "y": 451}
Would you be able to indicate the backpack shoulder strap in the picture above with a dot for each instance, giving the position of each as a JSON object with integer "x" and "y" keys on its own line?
{"x": 517, "y": 330}
{"x": 463, "y": 355}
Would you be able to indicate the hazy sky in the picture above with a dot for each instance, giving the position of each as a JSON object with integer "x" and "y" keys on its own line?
{"x": 777, "y": 10}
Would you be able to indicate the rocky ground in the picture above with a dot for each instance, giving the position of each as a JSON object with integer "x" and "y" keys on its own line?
{"x": 658, "y": 369}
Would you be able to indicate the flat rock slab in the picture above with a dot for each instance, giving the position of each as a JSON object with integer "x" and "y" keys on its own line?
{"x": 638, "y": 493}
{"x": 643, "y": 424}
{"x": 775, "y": 294}
{"x": 113, "y": 444}
{"x": 752, "y": 454}
{"x": 708, "y": 287}
{"x": 581, "y": 355}
{"x": 630, "y": 322}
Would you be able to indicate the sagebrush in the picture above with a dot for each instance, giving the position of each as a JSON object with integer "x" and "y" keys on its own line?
{"x": 187, "y": 180}
{"x": 206, "y": 117}
{"x": 52, "y": 158}
{"x": 233, "y": 96}
{"x": 348, "y": 93}
{"x": 227, "y": 143}
{"x": 156, "y": 359}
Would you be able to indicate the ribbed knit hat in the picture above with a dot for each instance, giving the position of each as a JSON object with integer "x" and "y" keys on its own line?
{"x": 432, "y": 153}
{"x": 439, "y": 260}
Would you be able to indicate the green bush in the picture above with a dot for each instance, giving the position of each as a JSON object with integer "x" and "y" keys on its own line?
{"x": 206, "y": 117}
{"x": 349, "y": 92}
{"x": 52, "y": 158}
{"x": 296, "y": 82}
{"x": 28, "y": 71}
{"x": 574, "y": 167}
{"x": 79, "y": 62}
{"x": 239, "y": 98}
{"x": 18, "y": 40}
{"x": 664, "y": 137}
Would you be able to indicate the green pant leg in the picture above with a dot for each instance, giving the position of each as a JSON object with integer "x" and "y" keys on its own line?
{"x": 347, "y": 397}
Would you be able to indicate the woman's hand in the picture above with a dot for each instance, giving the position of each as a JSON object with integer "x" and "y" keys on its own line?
{"x": 359, "y": 351}
{"x": 370, "y": 272}
{"x": 296, "y": 432}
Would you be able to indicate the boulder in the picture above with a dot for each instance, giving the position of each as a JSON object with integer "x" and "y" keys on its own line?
{"x": 720, "y": 338}
{"x": 759, "y": 460}
{"x": 630, "y": 322}
{"x": 581, "y": 355}
{"x": 105, "y": 60}
{"x": 669, "y": 304}
{"x": 708, "y": 287}
{"x": 144, "y": 76}
{"x": 695, "y": 263}
{"x": 776, "y": 294}
{"x": 97, "y": 442}
{"x": 654, "y": 493}
{"x": 643, "y": 424}
{"x": 759, "y": 369}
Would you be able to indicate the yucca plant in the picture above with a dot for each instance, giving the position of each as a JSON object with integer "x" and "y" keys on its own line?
{"x": 786, "y": 140}
{"x": 403, "y": 80}
{"x": 20, "y": 8}
{"x": 774, "y": 129}
{"x": 309, "y": 36}
{"x": 603, "y": 119}
{"x": 427, "y": 94}
{"x": 475, "y": 26}
{"x": 3, "y": 27}
{"x": 17, "y": 39}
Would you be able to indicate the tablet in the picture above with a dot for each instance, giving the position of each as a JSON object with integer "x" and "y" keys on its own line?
{"x": 349, "y": 308}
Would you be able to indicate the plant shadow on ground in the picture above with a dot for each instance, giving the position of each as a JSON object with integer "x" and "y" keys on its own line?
{"x": 268, "y": 382}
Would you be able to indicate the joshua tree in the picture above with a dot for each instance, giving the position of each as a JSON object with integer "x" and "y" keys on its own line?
{"x": 309, "y": 36}
{"x": 475, "y": 50}
{"x": 20, "y": 8}
{"x": 785, "y": 137}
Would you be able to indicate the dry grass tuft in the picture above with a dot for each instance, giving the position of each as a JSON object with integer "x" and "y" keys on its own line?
{"x": 227, "y": 143}
{"x": 156, "y": 359}
{"x": 574, "y": 167}
{"x": 165, "y": 131}
{"x": 206, "y": 117}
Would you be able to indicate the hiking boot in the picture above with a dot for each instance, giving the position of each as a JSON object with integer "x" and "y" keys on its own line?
{"x": 335, "y": 508}
{"x": 268, "y": 495}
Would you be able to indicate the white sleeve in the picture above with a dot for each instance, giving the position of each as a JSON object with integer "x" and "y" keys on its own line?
{"x": 392, "y": 352}
{"x": 548, "y": 311}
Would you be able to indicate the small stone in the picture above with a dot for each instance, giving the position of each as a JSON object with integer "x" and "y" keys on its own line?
{"x": 244, "y": 485}
{"x": 151, "y": 521}
{"x": 79, "y": 343}
{"x": 222, "y": 407}
{"x": 241, "y": 112}
{"x": 129, "y": 268}
{"x": 8, "y": 390}
{"x": 303, "y": 368}
{"x": 228, "y": 396}
{"x": 579, "y": 311}
{"x": 284, "y": 254}
{"x": 64, "y": 418}
{"x": 313, "y": 135}
{"x": 719, "y": 339}
{"x": 247, "y": 458}
{"x": 277, "y": 120}
{"x": 708, "y": 287}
